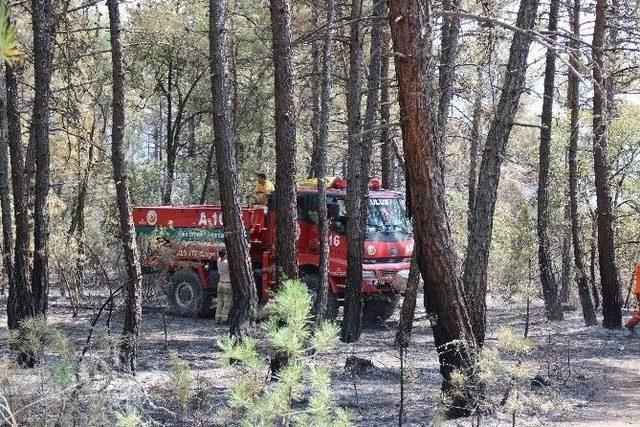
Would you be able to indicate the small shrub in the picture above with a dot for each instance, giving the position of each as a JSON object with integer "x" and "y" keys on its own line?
{"x": 300, "y": 395}
{"x": 181, "y": 381}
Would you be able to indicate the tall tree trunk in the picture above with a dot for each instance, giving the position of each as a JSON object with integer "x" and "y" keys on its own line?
{"x": 20, "y": 304}
{"x": 43, "y": 42}
{"x": 316, "y": 83}
{"x": 352, "y": 320}
{"x": 552, "y": 306}
{"x": 473, "y": 150}
{"x": 573, "y": 97}
{"x": 386, "y": 150}
{"x": 5, "y": 192}
{"x": 477, "y": 254}
{"x": 207, "y": 175}
{"x": 566, "y": 275}
{"x": 611, "y": 295}
{"x": 323, "y": 142}
{"x": 285, "y": 121}
{"x": 171, "y": 150}
{"x": 133, "y": 301}
{"x": 450, "y": 31}
{"x": 245, "y": 298}
{"x": 436, "y": 256}
{"x": 593, "y": 250}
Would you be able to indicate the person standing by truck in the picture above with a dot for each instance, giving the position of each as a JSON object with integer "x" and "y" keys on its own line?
{"x": 225, "y": 293}
{"x": 634, "y": 320}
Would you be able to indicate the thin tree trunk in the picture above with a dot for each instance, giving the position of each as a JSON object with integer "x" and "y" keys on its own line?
{"x": 611, "y": 295}
{"x": 316, "y": 83}
{"x": 593, "y": 250}
{"x": 407, "y": 313}
{"x": 285, "y": 122}
{"x": 566, "y": 275}
{"x": 133, "y": 301}
{"x": 573, "y": 94}
{"x": 245, "y": 298}
{"x": 352, "y": 320}
{"x": 207, "y": 175}
{"x": 386, "y": 150}
{"x": 5, "y": 192}
{"x": 43, "y": 42}
{"x": 477, "y": 254}
{"x": 20, "y": 304}
{"x": 473, "y": 150}
{"x": 323, "y": 142}
{"x": 552, "y": 306}
{"x": 436, "y": 256}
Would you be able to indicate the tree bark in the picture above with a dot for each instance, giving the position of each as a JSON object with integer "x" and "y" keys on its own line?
{"x": 244, "y": 290}
{"x": 477, "y": 254}
{"x": 323, "y": 144}
{"x": 352, "y": 320}
{"x": 316, "y": 88}
{"x": 611, "y": 295}
{"x": 473, "y": 150}
{"x": 43, "y": 42}
{"x": 573, "y": 94}
{"x": 20, "y": 304}
{"x": 386, "y": 150}
{"x": 5, "y": 192}
{"x": 436, "y": 256}
{"x": 566, "y": 275}
{"x": 450, "y": 31}
{"x": 133, "y": 301}
{"x": 285, "y": 122}
{"x": 552, "y": 306}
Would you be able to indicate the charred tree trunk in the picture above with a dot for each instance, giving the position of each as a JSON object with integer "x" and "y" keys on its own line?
{"x": 473, "y": 151}
{"x": 43, "y": 42}
{"x": 552, "y": 306}
{"x": 611, "y": 295}
{"x": 352, "y": 320}
{"x": 448, "y": 53}
{"x": 5, "y": 192}
{"x": 285, "y": 122}
{"x": 207, "y": 175}
{"x": 386, "y": 150}
{"x": 133, "y": 301}
{"x": 245, "y": 298}
{"x": 567, "y": 259}
{"x": 407, "y": 313}
{"x": 323, "y": 142}
{"x": 477, "y": 254}
{"x": 436, "y": 257}
{"x": 573, "y": 95}
{"x": 20, "y": 303}
{"x": 316, "y": 88}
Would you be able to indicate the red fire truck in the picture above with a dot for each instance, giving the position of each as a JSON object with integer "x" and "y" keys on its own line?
{"x": 191, "y": 236}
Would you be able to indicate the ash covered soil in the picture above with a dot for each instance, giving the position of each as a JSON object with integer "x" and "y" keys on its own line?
{"x": 593, "y": 374}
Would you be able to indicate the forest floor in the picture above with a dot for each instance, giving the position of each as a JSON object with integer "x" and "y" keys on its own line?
{"x": 593, "y": 373}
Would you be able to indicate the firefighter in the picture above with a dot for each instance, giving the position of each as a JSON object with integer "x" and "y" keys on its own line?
{"x": 262, "y": 189}
{"x": 634, "y": 320}
{"x": 225, "y": 294}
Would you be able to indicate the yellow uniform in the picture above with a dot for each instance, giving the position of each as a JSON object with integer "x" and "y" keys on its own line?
{"x": 261, "y": 192}
{"x": 225, "y": 293}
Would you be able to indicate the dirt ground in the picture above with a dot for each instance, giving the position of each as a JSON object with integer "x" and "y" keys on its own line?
{"x": 594, "y": 374}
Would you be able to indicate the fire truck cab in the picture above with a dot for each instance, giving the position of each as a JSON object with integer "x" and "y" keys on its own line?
{"x": 182, "y": 241}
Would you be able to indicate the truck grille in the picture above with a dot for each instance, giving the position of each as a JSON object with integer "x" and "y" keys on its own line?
{"x": 388, "y": 274}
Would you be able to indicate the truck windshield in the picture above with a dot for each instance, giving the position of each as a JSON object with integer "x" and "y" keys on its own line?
{"x": 387, "y": 215}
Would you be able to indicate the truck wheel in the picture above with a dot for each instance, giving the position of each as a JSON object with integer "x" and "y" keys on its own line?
{"x": 186, "y": 295}
{"x": 379, "y": 308}
{"x": 313, "y": 284}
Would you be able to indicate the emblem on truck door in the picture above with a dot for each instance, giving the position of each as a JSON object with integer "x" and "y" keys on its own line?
{"x": 394, "y": 251}
{"x": 152, "y": 217}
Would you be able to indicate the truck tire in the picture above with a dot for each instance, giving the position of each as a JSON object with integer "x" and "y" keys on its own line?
{"x": 313, "y": 284}
{"x": 185, "y": 294}
{"x": 379, "y": 308}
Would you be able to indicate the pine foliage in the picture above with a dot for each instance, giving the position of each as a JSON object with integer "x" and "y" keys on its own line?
{"x": 300, "y": 394}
